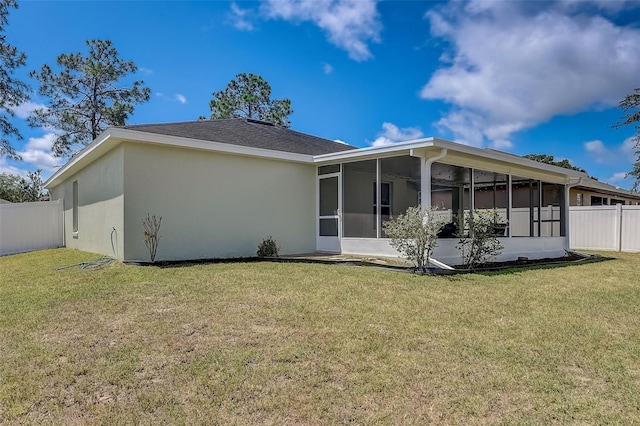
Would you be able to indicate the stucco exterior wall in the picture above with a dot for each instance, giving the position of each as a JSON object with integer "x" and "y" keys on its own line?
{"x": 215, "y": 205}
{"x": 100, "y": 206}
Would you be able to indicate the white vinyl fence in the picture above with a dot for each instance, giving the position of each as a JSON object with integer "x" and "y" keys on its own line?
{"x": 605, "y": 227}
{"x": 31, "y": 226}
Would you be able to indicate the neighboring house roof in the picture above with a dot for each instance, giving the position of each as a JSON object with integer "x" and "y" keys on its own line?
{"x": 245, "y": 132}
{"x": 5, "y": 201}
{"x": 604, "y": 188}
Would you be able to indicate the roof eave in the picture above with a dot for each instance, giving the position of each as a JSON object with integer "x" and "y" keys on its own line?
{"x": 596, "y": 185}
{"x": 91, "y": 151}
{"x": 411, "y": 146}
{"x": 111, "y": 137}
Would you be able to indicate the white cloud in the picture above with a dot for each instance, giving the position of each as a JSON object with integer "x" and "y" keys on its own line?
{"x": 5, "y": 167}
{"x": 24, "y": 110}
{"x": 628, "y": 147}
{"x": 175, "y": 98}
{"x": 611, "y": 6}
{"x": 501, "y": 144}
{"x": 465, "y": 126}
{"x": 349, "y": 24}
{"x": 240, "y": 18}
{"x": 514, "y": 65}
{"x": 602, "y": 154}
{"x": 327, "y": 68}
{"x": 617, "y": 177}
{"x": 598, "y": 151}
{"x": 595, "y": 147}
{"x": 391, "y": 133}
{"x": 37, "y": 152}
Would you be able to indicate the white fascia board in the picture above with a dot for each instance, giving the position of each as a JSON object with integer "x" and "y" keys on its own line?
{"x": 374, "y": 151}
{"x": 88, "y": 153}
{"x": 410, "y": 146}
{"x": 508, "y": 158}
{"x": 177, "y": 141}
{"x": 597, "y": 185}
{"x": 111, "y": 137}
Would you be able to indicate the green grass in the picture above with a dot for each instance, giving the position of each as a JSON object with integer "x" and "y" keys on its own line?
{"x": 274, "y": 343}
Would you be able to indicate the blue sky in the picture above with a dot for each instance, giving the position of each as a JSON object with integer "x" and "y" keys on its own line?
{"x": 518, "y": 76}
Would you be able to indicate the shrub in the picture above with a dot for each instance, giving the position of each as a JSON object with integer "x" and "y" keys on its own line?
{"x": 151, "y": 225}
{"x": 482, "y": 243}
{"x": 414, "y": 234}
{"x": 268, "y": 248}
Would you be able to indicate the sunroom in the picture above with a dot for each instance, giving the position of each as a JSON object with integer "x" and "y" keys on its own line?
{"x": 359, "y": 190}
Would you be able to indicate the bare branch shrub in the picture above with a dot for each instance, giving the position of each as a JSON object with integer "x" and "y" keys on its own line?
{"x": 151, "y": 225}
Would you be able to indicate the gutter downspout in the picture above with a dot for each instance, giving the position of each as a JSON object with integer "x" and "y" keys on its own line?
{"x": 567, "y": 203}
{"x": 425, "y": 176}
{"x": 425, "y": 185}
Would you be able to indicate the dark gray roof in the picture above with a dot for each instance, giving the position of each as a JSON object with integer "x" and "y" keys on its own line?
{"x": 249, "y": 133}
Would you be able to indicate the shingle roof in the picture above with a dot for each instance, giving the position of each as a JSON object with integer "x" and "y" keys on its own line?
{"x": 249, "y": 133}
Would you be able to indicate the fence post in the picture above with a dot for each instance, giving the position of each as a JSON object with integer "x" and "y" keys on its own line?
{"x": 618, "y": 227}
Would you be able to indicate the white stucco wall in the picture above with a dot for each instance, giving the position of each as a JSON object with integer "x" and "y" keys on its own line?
{"x": 216, "y": 205}
{"x": 100, "y": 205}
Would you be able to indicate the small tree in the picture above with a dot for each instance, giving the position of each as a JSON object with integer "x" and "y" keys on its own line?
{"x": 249, "y": 96}
{"x": 13, "y": 91}
{"x": 414, "y": 234}
{"x": 151, "y": 225}
{"x": 20, "y": 190}
{"x": 630, "y": 105}
{"x": 86, "y": 96}
{"x": 482, "y": 243}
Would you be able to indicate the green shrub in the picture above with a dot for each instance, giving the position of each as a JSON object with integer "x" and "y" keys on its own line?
{"x": 482, "y": 244}
{"x": 268, "y": 248}
{"x": 414, "y": 234}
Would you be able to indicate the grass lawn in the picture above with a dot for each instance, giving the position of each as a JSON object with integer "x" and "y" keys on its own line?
{"x": 272, "y": 343}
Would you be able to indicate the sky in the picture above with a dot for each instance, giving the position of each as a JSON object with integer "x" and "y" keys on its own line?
{"x": 523, "y": 77}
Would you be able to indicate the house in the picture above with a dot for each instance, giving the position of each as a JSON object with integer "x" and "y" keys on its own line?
{"x": 591, "y": 192}
{"x": 222, "y": 186}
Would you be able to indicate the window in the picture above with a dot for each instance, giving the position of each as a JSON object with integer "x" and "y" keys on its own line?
{"x": 598, "y": 201}
{"x": 615, "y": 201}
{"x": 325, "y": 170}
{"x": 578, "y": 199}
{"x": 75, "y": 206}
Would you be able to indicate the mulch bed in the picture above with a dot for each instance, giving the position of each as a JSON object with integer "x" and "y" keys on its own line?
{"x": 570, "y": 258}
